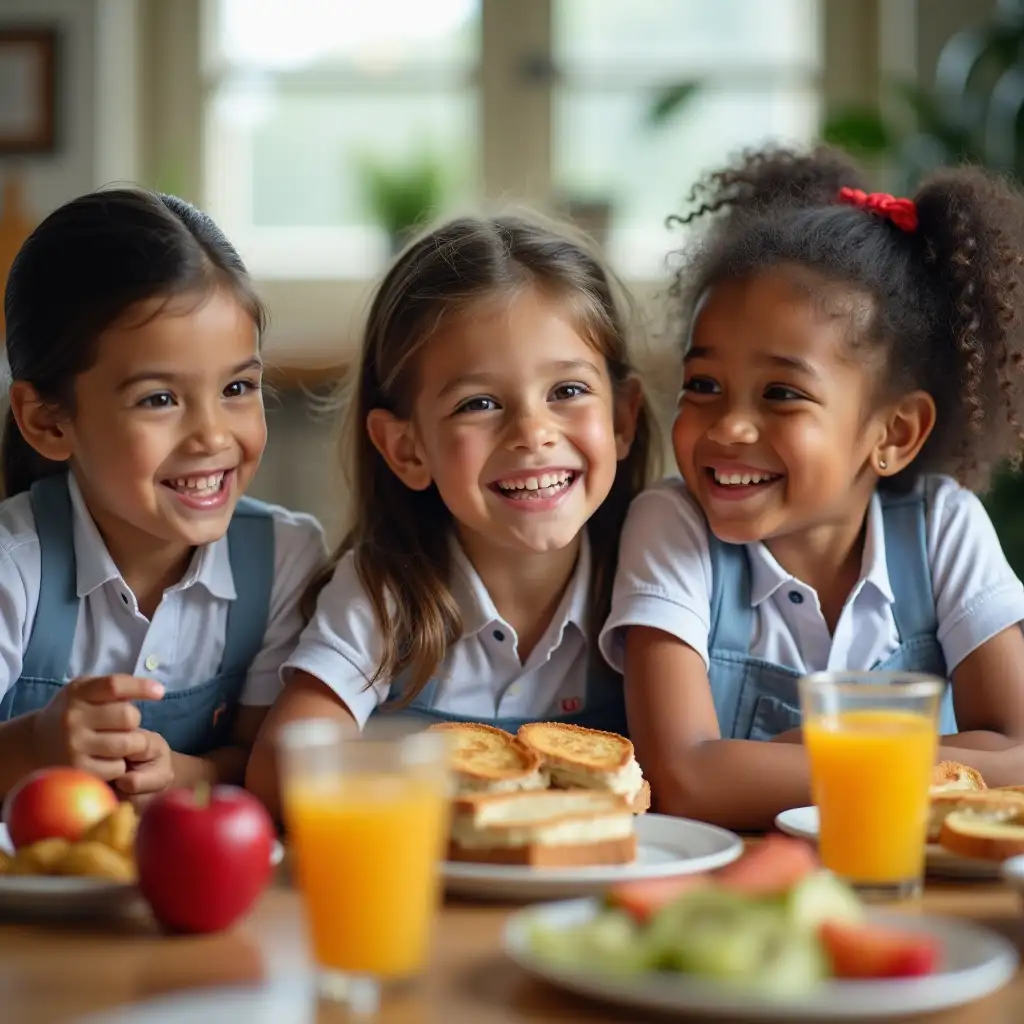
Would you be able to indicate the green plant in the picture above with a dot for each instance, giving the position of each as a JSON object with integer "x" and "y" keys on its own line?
{"x": 403, "y": 196}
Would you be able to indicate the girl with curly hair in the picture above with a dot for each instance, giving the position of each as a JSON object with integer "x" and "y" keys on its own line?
{"x": 851, "y": 365}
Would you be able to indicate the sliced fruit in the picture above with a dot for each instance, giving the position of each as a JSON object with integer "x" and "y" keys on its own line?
{"x": 770, "y": 868}
{"x": 822, "y": 897}
{"x": 644, "y": 898}
{"x": 867, "y": 951}
{"x": 610, "y": 942}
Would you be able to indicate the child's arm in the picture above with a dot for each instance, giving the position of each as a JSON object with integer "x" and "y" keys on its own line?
{"x": 980, "y": 608}
{"x": 326, "y": 676}
{"x": 988, "y": 697}
{"x": 304, "y": 696}
{"x": 693, "y": 772}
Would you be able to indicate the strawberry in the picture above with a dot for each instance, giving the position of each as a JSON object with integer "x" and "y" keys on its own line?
{"x": 642, "y": 899}
{"x": 868, "y": 951}
{"x": 772, "y": 867}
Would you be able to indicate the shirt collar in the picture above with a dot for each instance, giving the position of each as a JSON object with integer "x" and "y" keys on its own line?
{"x": 210, "y": 565}
{"x": 477, "y": 608}
{"x": 767, "y": 576}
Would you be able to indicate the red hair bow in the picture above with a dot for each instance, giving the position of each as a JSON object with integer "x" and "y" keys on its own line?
{"x": 902, "y": 212}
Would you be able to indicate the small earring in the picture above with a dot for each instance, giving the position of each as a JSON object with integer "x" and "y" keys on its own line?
{"x": 882, "y": 464}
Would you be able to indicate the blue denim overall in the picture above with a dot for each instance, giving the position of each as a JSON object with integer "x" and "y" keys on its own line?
{"x": 755, "y": 699}
{"x": 195, "y": 720}
{"x": 604, "y": 707}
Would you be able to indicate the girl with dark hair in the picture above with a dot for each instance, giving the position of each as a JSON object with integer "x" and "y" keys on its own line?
{"x": 851, "y": 365}
{"x": 497, "y": 437}
{"x": 145, "y": 605}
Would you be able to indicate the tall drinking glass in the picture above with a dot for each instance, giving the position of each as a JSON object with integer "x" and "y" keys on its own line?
{"x": 367, "y": 822}
{"x": 871, "y": 738}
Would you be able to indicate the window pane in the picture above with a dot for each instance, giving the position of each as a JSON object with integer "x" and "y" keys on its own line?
{"x": 306, "y": 153}
{"x": 372, "y": 37}
{"x": 605, "y": 150}
{"x": 680, "y": 37}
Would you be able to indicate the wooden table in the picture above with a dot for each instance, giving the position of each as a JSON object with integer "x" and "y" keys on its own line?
{"x": 53, "y": 973}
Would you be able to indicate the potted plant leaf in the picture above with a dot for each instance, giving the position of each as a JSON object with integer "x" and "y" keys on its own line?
{"x": 403, "y": 196}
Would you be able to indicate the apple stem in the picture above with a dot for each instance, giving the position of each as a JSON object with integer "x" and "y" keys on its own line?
{"x": 201, "y": 794}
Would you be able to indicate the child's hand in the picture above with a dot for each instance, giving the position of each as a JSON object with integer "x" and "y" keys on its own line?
{"x": 91, "y": 724}
{"x": 151, "y": 772}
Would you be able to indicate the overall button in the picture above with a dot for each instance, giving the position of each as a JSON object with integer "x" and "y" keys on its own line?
{"x": 152, "y": 662}
{"x": 498, "y": 635}
{"x": 796, "y": 597}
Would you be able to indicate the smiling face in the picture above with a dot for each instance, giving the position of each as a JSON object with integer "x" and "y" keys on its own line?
{"x": 515, "y": 423}
{"x": 168, "y": 426}
{"x": 775, "y": 428}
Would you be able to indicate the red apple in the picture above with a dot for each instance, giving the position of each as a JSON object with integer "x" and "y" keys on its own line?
{"x": 52, "y": 802}
{"x": 203, "y": 856}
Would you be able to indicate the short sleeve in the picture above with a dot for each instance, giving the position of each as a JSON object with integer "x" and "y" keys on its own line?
{"x": 341, "y": 646}
{"x": 664, "y": 574}
{"x": 19, "y": 585}
{"x": 299, "y": 553}
{"x": 977, "y": 594}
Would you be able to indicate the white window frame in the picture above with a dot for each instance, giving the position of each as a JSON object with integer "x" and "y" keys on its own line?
{"x": 315, "y": 317}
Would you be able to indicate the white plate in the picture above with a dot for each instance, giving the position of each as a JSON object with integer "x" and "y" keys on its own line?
{"x": 1012, "y": 871}
{"x": 56, "y": 896}
{"x": 665, "y": 846}
{"x": 977, "y": 962}
{"x": 264, "y": 1004}
{"x": 803, "y": 823}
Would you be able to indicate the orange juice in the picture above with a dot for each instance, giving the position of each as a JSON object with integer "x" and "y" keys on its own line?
{"x": 870, "y": 774}
{"x": 367, "y": 849}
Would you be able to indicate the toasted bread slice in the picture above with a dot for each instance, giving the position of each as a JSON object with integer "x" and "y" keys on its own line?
{"x": 585, "y": 758}
{"x": 1008, "y": 789}
{"x": 950, "y": 776}
{"x": 490, "y": 760}
{"x": 570, "y": 827}
{"x": 992, "y": 803}
{"x": 983, "y": 836}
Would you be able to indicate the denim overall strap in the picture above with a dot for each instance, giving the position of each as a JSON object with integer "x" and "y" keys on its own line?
{"x": 201, "y": 718}
{"x": 906, "y": 555}
{"x": 56, "y": 619}
{"x": 732, "y": 616}
{"x": 251, "y": 551}
{"x": 913, "y": 609}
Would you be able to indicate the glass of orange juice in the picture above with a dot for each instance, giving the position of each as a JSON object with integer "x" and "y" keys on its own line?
{"x": 367, "y": 824}
{"x": 871, "y": 739}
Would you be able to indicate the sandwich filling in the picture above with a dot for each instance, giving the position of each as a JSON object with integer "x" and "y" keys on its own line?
{"x": 628, "y": 782}
{"x": 569, "y": 830}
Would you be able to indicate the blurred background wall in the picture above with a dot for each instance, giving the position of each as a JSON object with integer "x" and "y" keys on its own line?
{"x": 316, "y": 131}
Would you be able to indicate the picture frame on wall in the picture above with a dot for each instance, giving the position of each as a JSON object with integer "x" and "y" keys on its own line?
{"x": 28, "y": 85}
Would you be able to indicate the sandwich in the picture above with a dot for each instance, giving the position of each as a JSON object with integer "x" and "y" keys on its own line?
{"x": 951, "y": 776}
{"x": 489, "y": 760}
{"x": 543, "y": 828}
{"x": 987, "y": 805}
{"x": 578, "y": 758}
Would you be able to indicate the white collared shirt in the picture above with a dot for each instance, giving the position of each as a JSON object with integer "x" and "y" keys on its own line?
{"x": 183, "y": 643}
{"x": 664, "y": 581}
{"x": 481, "y": 676}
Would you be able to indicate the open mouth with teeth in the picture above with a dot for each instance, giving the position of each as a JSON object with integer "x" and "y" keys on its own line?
{"x": 198, "y": 486}
{"x": 536, "y": 488}
{"x": 742, "y": 479}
